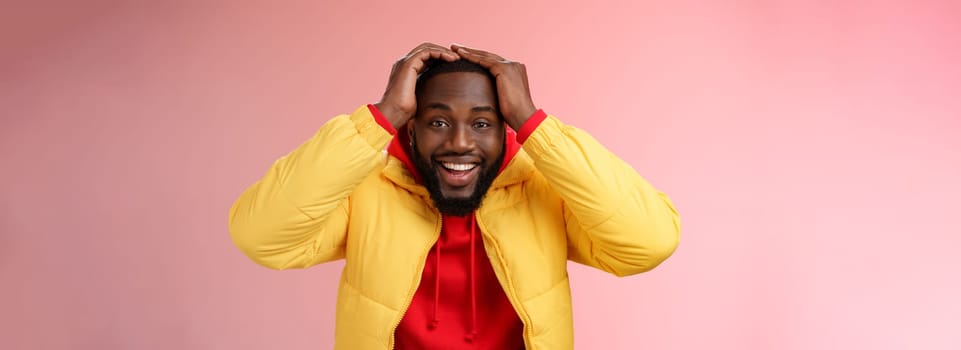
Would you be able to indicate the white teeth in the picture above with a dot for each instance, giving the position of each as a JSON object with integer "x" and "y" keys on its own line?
{"x": 459, "y": 166}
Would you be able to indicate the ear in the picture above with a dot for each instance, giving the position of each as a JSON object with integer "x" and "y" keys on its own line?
{"x": 410, "y": 131}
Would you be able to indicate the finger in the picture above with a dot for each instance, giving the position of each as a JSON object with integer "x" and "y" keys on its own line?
{"x": 419, "y": 60}
{"x": 421, "y": 47}
{"x": 484, "y": 61}
{"x": 428, "y": 53}
{"x": 436, "y": 51}
{"x": 461, "y": 48}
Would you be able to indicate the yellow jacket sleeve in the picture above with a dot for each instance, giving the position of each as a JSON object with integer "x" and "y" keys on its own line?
{"x": 616, "y": 221}
{"x": 296, "y": 215}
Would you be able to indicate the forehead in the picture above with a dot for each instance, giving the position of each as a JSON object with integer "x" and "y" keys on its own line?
{"x": 459, "y": 88}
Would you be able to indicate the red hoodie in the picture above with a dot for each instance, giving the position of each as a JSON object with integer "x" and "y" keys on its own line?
{"x": 459, "y": 303}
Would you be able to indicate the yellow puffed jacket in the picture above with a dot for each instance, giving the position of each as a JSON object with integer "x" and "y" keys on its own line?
{"x": 562, "y": 197}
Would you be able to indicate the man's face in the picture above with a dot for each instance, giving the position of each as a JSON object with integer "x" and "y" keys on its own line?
{"x": 458, "y": 139}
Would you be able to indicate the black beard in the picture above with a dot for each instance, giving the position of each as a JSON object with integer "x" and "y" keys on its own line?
{"x": 454, "y": 206}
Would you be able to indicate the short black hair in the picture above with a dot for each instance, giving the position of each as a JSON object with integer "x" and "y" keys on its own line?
{"x": 435, "y": 67}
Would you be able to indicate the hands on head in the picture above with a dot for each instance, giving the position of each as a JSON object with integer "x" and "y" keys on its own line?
{"x": 399, "y": 102}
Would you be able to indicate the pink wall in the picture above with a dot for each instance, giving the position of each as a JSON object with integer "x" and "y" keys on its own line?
{"x": 812, "y": 147}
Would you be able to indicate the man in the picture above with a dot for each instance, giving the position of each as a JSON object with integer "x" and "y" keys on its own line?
{"x": 459, "y": 236}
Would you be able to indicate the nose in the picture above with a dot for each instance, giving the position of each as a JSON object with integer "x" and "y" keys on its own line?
{"x": 461, "y": 140}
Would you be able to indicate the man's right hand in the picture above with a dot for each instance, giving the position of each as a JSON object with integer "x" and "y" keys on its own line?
{"x": 399, "y": 102}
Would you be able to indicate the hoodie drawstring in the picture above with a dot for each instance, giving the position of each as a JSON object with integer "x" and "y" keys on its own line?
{"x": 469, "y": 337}
{"x": 473, "y": 286}
{"x": 435, "y": 321}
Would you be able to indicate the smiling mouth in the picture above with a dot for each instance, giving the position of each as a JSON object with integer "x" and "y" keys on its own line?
{"x": 458, "y": 166}
{"x": 458, "y": 174}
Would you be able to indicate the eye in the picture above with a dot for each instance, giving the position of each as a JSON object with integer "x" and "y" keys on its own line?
{"x": 437, "y": 123}
{"x": 482, "y": 125}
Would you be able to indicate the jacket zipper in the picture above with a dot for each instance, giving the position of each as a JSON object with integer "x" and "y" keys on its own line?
{"x": 511, "y": 293}
{"x": 410, "y": 294}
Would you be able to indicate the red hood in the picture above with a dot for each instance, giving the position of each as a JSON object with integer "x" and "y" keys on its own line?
{"x": 399, "y": 149}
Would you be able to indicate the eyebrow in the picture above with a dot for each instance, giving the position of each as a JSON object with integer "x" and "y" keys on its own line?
{"x": 482, "y": 109}
{"x": 444, "y": 107}
{"x": 437, "y": 105}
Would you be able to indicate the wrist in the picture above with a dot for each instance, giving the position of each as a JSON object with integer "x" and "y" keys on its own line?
{"x": 394, "y": 115}
{"x": 530, "y": 125}
{"x": 518, "y": 120}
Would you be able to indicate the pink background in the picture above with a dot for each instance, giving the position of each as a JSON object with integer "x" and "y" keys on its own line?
{"x": 812, "y": 148}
